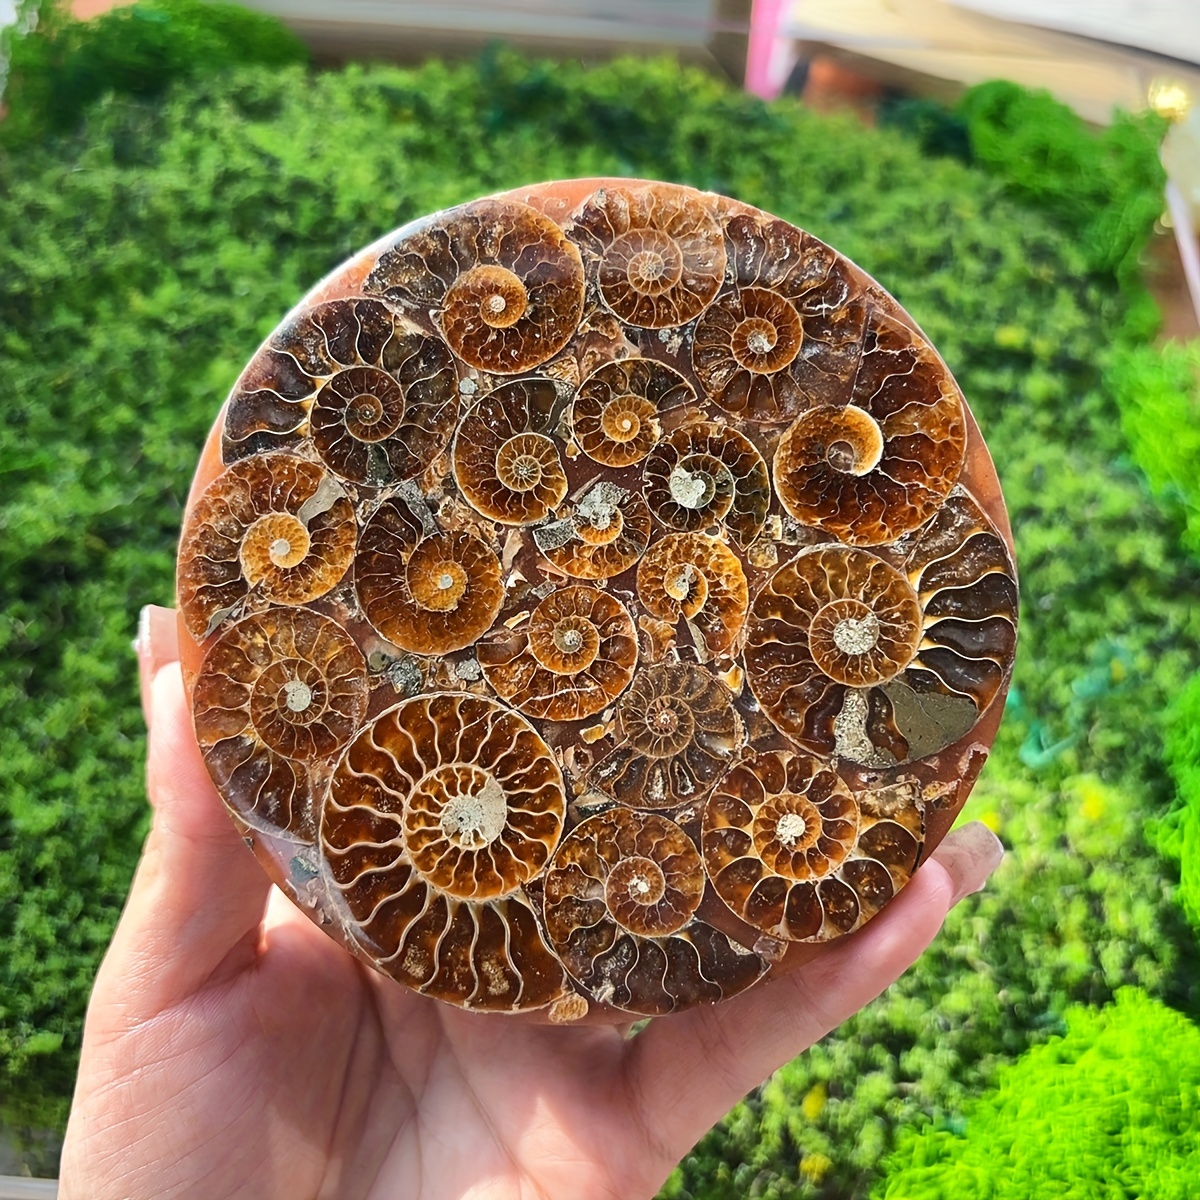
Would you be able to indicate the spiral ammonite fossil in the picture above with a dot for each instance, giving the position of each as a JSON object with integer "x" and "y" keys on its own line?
{"x": 594, "y": 599}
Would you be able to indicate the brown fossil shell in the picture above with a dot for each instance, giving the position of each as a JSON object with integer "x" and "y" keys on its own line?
{"x": 689, "y": 575}
{"x": 677, "y": 729}
{"x": 616, "y": 412}
{"x": 594, "y": 599}
{"x": 438, "y": 814}
{"x": 279, "y": 694}
{"x": 707, "y": 475}
{"x": 880, "y": 664}
{"x": 605, "y": 533}
{"x": 661, "y": 255}
{"x": 621, "y": 901}
{"x": 273, "y": 528}
{"x": 508, "y": 469}
{"x": 571, "y": 659}
{"x": 795, "y": 853}
{"x": 873, "y": 469}
{"x": 788, "y": 335}
{"x": 376, "y": 396}
{"x": 503, "y": 283}
{"x": 428, "y": 594}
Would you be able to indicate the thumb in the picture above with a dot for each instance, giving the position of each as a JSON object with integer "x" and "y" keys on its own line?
{"x": 198, "y": 897}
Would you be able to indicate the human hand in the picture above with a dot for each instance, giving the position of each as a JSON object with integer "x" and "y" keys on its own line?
{"x": 232, "y": 1049}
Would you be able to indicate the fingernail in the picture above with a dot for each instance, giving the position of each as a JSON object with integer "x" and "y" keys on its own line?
{"x": 970, "y": 854}
{"x": 156, "y": 644}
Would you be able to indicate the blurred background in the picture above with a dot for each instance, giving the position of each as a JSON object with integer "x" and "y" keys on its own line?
{"x": 1023, "y": 175}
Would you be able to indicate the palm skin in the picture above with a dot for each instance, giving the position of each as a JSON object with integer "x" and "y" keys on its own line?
{"x": 233, "y": 1050}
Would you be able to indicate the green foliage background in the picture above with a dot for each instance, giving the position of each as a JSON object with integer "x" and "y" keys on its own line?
{"x": 150, "y": 246}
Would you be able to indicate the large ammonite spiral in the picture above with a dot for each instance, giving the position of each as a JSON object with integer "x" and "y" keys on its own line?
{"x": 438, "y": 815}
{"x": 430, "y": 594}
{"x": 661, "y": 254}
{"x": 505, "y": 465}
{"x": 279, "y": 695}
{"x": 871, "y": 470}
{"x": 617, "y": 413}
{"x": 708, "y": 476}
{"x": 503, "y": 283}
{"x": 593, "y": 599}
{"x": 272, "y": 528}
{"x": 677, "y": 730}
{"x": 571, "y": 659}
{"x": 850, "y": 656}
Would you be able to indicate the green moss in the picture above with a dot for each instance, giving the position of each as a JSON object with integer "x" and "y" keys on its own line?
{"x": 1109, "y": 1110}
{"x": 1177, "y": 834}
{"x": 1158, "y": 393}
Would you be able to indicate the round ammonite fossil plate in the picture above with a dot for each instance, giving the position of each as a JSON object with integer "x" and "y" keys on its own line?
{"x": 594, "y": 599}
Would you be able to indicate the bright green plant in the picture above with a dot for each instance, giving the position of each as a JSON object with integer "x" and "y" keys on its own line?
{"x": 1109, "y": 184}
{"x": 1177, "y": 834}
{"x": 1158, "y": 393}
{"x": 1109, "y": 1110}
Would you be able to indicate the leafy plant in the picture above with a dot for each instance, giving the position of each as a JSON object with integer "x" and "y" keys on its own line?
{"x": 1110, "y": 1109}
{"x": 1109, "y": 183}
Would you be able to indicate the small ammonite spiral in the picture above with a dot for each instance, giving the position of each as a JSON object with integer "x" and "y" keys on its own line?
{"x": 278, "y": 695}
{"x": 793, "y": 852}
{"x": 620, "y": 904}
{"x": 603, "y": 535}
{"x": 427, "y": 593}
{"x": 676, "y": 730}
{"x": 846, "y": 658}
{"x": 615, "y": 413}
{"x": 660, "y": 255}
{"x": 506, "y": 466}
{"x": 573, "y": 657}
{"x": 693, "y": 576}
{"x": 789, "y": 334}
{"x": 873, "y": 469}
{"x": 707, "y": 475}
{"x": 379, "y": 396}
{"x": 438, "y": 814}
{"x": 273, "y": 527}
{"x": 503, "y": 283}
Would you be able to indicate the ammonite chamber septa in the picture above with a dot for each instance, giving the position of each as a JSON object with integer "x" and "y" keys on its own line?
{"x": 621, "y": 897}
{"x": 794, "y": 852}
{"x": 500, "y": 279}
{"x": 438, "y": 814}
{"x": 590, "y": 595}
{"x": 273, "y": 529}
{"x": 851, "y": 657}
{"x": 278, "y": 696}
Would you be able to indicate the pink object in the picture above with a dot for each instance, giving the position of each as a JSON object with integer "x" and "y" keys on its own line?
{"x": 765, "y": 70}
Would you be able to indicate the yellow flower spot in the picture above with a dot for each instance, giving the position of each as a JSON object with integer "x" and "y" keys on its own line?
{"x": 815, "y": 1166}
{"x": 1093, "y": 805}
{"x": 813, "y": 1103}
{"x": 991, "y": 820}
